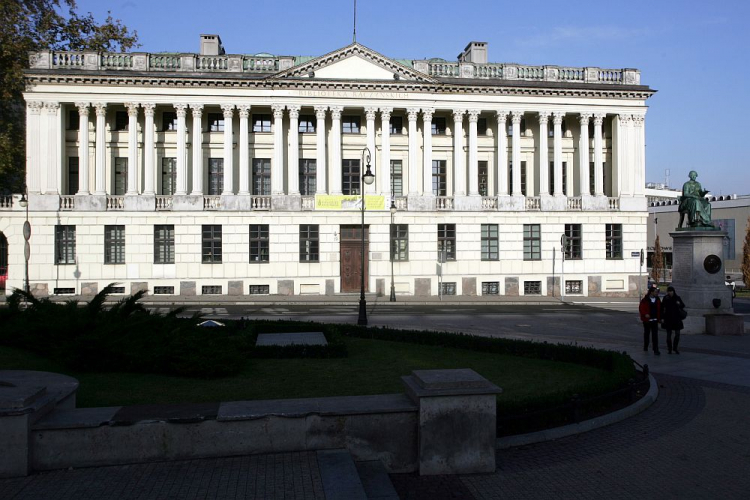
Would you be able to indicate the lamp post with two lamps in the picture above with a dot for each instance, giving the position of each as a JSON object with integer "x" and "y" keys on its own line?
{"x": 367, "y": 179}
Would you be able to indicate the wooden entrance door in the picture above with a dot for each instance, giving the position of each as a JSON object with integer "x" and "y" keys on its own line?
{"x": 351, "y": 258}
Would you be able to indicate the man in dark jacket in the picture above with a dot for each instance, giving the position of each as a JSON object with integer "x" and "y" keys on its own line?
{"x": 650, "y": 311}
{"x": 671, "y": 319}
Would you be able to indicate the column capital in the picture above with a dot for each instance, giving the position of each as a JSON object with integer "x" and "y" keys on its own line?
{"x": 626, "y": 119}
{"x": 385, "y": 113}
{"x": 427, "y": 113}
{"x": 34, "y": 106}
{"x": 294, "y": 111}
{"x": 101, "y": 108}
{"x": 599, "y": 119}
{"x": 544, "y": 117}
{"x": 278, "y": 111}
{"x": 558, "y": 117}
{"x": 243, "y": 110}
{"x": 516, "y": 116}
{"x": 502, "y": 116}
{"x": 83, "y": 108}
{"x": 54, "y": 106}
{"x": 320, "y": 112}
{"x": 458, "y": 115}
{"x": 584, "y": 119}
{"x": 228, "y": 110}
{"x": 181, "y": 109}
{"x": 412, "y": 113}
{"x": 336, "y": 112}
{"x": 132, "y": 108}
{"x": 148, "y": 108}
{"x": 370, "y": 112}
{"x": 638, "y": 120}
{"x": 197, "y": 110}
{"x": 474, "y": 115}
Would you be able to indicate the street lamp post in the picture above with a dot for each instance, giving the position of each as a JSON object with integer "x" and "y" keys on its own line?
{"x": 24, "y": 202}
{"x": 367, "y": 179}
{"x": 393, "y": 249}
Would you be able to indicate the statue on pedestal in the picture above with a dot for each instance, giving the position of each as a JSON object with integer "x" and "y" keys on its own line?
{"x": 694, "y": 204}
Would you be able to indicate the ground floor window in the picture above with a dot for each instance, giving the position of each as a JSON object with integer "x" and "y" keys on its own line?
{"x": 399, "y": 242}
{"x": 532, "y": 287}
{"x": 65, "y": 244}
{"x": 309, "y": 243}
{"x": 114, "y": 244}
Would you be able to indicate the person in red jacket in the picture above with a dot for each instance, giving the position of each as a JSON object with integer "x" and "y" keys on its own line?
{"x": 650, "y": 310}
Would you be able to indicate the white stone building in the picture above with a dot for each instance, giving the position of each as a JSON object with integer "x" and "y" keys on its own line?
{"x": 240, "y": 174}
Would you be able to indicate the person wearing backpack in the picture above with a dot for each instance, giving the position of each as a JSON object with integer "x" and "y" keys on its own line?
{"x": 672, "y": 314}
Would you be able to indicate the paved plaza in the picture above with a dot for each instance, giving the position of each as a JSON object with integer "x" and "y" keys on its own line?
{"x": 694, "y": 442}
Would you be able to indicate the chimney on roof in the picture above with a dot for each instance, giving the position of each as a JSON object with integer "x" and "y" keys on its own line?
{"x": 475, "y": 52}
{"x": 211, "y": 45}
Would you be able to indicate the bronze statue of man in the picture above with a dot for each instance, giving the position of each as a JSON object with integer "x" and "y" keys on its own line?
{"x": 694, "y": 204}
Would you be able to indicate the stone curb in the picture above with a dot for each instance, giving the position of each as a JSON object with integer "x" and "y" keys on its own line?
{"x": 585, "y": 426}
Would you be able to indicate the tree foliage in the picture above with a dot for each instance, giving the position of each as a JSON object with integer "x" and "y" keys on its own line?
{"x": 32, "y": 25}
{"x": 657, "y": 261}
{"x": 746, "y": 256}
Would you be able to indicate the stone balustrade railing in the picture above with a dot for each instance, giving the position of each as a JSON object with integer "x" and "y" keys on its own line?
{"x": 613, "y": 203}
{"x": 308, "y": 202}
{"x": 67, "y": 203}
{"x": 489, "y": 203}
{"x": 575, "y": 203}
{"x": 163, "y": 202}
{"x": 401, "y": 203}
{"x": 211, "y": 202}
{"x": 6, "y": 202}
{"x": 115, "y": 203}
{"x": 444, "y": 203}
{"x": 239, "y": 63}
{"x": 260, "y": 203}
{"x": 533, "y": 203}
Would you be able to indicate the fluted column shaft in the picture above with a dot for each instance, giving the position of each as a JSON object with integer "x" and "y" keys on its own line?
{"x": 33, "y": 153}
{"x": 336, "y": 149}
{"x": 228, "y": 110}
{"x": 543, "y": 153}
{"x": 277, "y": 164}
{"x": 100, "y": 178}
{"x": 83, "y": 148}
{"x": 53, "y": 148}
{"x": 370, "y": 122}
{"x": 413, "y": 179}
{"x": 197, "y": 110}
{"x": 473, "y": 165}
{"x": 516, "y": 117}
{"x": 584, "y": 154}
{"x": 320, "y": 154}
{"x": 132, "y": 148}
{"x": 459, "y": 165}
{"x": 148, "y": 149}
{"x": 502, "y": 153}
{"x": 181, "y": 150}
{"x": 293, "y": 156}
{"x": 385, "y": 155}
{"x": 640, "y": 154}
{"x": 557, "y": 119}
{"x": 598, "y": 160}
{"x": 427, "y": 150}
{"x": 244, "y": 112}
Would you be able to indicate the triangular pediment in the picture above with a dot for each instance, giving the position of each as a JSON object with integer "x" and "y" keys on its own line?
{"x": 354, "y": 62}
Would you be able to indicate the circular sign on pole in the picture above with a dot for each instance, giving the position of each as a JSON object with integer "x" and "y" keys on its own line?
{"x": 26, "y": 230}
{"x": 26, "y": 251}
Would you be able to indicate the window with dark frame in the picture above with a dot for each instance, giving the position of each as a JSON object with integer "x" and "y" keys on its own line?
{"x": 438, "y": 125}
{"x": 399, "y": 242}
{"x": 307, "y": 124}
{"x": 259, "y": 243}
{"x": 574, "y": 287}
{"x": 114, "y": 244}
{"x": 532, "y": 287}
{"x": 396, "y": 125}
{"x": 448, "y": 288}
{"x": 74, "y": 119}
{"x": 121, "y": 176}
{"x": 350, "y": 124}
{"x": 614, "y": 241}
{"x": 73, "y": 172}
{"x": 168, "y": 176}
{"x": 65, "y": 244}
{"x": 532, "y": 242}
{"x": 215, "y": 176}
{"x": 211, "y": 243}
{"x": 552, "y": 176}
{"x": 262, "y": 176}
{"x": 309, "y": 243}
{"x": 482, "y": 126}
{"x": 490, "y": 288}
{"x": 490, "y": 242}
{"x": 523, "y": 176}
{"x": 308, "y": 179}
{"x": 446, "y": 242}
{"x": 216, "y": 122}
{"x": 439, "y": 178}
{"x": 350, "y": 177}
{"x": 573, "y": 242}
{"x": 168, "y": 121}
{"x": 483, "y": 178}
{"x": 121, "y": 121}
{"x": 259, "y": 290}
{"x": 261, "y": 123}
{"x": 164, "y": 244}
{"x": 397, "y": 177}
{"x": 592, "y": 178}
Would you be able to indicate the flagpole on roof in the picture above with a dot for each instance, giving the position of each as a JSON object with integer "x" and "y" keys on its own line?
{"x": 354, "y": 38}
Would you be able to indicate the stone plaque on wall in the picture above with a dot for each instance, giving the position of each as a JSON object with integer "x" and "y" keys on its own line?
{"x": 422, "y": 287}
{"x": 511, "y": 286}
{"x": 469, "y": 286}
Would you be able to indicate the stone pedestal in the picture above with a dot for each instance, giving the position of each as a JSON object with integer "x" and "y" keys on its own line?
{"x": 457, "y": 421}
{"x": 698, "y": 277}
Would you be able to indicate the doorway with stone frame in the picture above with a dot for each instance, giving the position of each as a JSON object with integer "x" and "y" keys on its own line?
{"x": 351, "y": 257}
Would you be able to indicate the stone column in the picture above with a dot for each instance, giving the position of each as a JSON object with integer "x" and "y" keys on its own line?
{"x": 626, "y": 155}
{"x": 148, "y": 150}
{"x": 544, "y": 153}
{"x": 181, "y": 150}
{"x": 385, "y": 155}
{"x": 33, "y": 154}
{"x": 502, "y": 153}
{"x": 244, "y": 112}
{"x": 557, "y": 119}
{"x": 335, "y": 180}
{"x": 228, "y": 190}
{"x": 583, "y": 154}
{"x": 100, "y": 177}
{"x": 473, "y": 165}
{"x": 54, "y": 169}
{"x": 413, "y": 179}
{"x": 293, "y": 157}
{"x": 459, "y": 164}
{"x": 277, "y": 164}
{"x": 516, "y": 117}
{"x": 320, "y": 154}
{"x": 639, "y": 170}
{"x": 370, "y": 121}
{"x": 83, "y": 148}
{"x": 132, "y": 148}
{"x": 427, "y": 150}
{"x": 598, "y": 157}
{"x": 197, "y": 110}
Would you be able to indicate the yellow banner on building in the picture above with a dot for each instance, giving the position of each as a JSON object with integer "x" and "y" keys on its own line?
{"x": 348, "y": 202}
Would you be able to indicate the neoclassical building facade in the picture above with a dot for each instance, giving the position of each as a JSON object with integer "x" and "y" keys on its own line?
{"x": 210, "y": 173}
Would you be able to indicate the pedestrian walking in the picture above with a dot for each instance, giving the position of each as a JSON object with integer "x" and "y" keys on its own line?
{"x": 672, "y": 313}
{"x": 650, "y": 311}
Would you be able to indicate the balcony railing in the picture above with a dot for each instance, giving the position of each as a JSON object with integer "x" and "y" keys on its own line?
{"x": 533, "y": 203}
{"x": 308, "y": 203}
{"x": 444, "y": 203}
{"x": 613, "y": 204}
{"x": 115, "y": 203}
{"x": 211, "y": 202}
{"x": 67, "y": 203}
{"x": 401, "y": 202}
{"x": 575, "y": 203}
{"x": 489, "y": 203}
{"x": 6, "y": 202}
{"x": 260, "y": 203}
{"x": 163, "y": 202}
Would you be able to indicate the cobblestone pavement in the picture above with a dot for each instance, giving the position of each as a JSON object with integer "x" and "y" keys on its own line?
{"x": 287, "y": 476}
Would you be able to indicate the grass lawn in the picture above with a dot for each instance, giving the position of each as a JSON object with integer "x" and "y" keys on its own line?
{"x": 372, "y": 367}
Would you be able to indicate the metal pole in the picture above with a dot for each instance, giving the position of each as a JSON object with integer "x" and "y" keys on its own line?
{"x": 362, "y": 319}
{"x": 393, "y": 287}
{"x": 563, "y": 240}
{"x": 26, "y": 236}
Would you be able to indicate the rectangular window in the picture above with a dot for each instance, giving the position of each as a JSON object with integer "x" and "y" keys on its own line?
{"x": 73, "y": 175}
{"x": 308, "y": 177}
{"x": 261, "y": 123}
{"x": 482, "y": 126}
{"x": 552, "y": 176}
{"x": 532, "y": 242}
{"x": 592, "y": 178}
{"x": 399, "y": 242}
{"x": 309, "y": 243}
{"x": 397, "y": 178}
{"x": 490, "y": 288}
{"x": 446, "y": 242}
{"x": 211, "y": 243}
{"x": 523, "y": 176}
{"x": 438, "y": 125}
{"x": 574, "y": 287}
{"x": 532, "y": 287}
{"x": 64, "y": 291}
{"x": 306, "y": 124}
{"x": 259, "y": 290}
{"x": 121, "y": 176}
{"x": 614, "y": 241}
{"x": 168, "y": 176}
{"x": 448, "y": 288}
{"x": 211, "y": 290}
{"x": 74, "y": 119}
{"x": 483, "y": 178}
{"x": 397, "y": 125}
{"x": 121, "y": 121}
{"x": 350, "y": 124}
{"x": 262, "y": 176}
{"x": 168, "y": 121}
{"x": 163, "y": 290}
{"x": 565, "y": 177}
{"x": 490, "y": 242}
{"x": 114, "y": 244}
{"x": 439, "y": 178}
{"x": 573, "y": 242}
{"x": 215, "y": 176}
{"x": 216, "y": 122}
{"x": 65, "y": 244}
{"x": 350, "y": 177}
{"x": 258, "y": 243}
{"x": 164, "y": 244}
